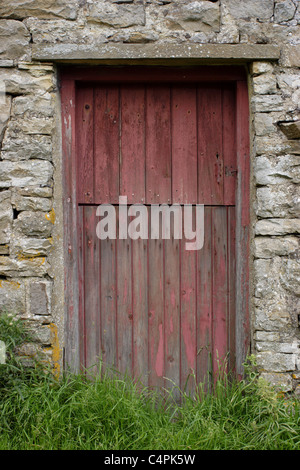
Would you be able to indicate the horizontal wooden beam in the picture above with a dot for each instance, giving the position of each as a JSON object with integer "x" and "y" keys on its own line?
{"x": 155, "y": 53}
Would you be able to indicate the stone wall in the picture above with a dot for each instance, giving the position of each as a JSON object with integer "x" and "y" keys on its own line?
{"x": 31, "y": 262}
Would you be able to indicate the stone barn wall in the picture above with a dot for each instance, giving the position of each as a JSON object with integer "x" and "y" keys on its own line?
{"x": 35, "y": 34}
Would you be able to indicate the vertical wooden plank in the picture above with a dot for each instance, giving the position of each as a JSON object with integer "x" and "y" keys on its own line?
{"x": 140, "y": 309}
{"x": 132, "y": 153}
{"x": 108, "y": 299}
{"x": 91, "y": 289}
{"x": 156, "y": 323}
{"x": 184, "y": 145}
{"x": 219, "y": 287}
{"x": 188, "y": 306}
{"x": 229, "y": 145}
{"x": 231, "y": 287}
{"x": 158, "y": 145}
{"x": 84, "y": 146}
{"x": 204, "y": 303}
{"x": 172, "y": 313}
{"x": 81, "y": 292}
{"x": 242, "y": 225}
{"x": 124, "y": 306}
{"x": 210, "y": 158}
{"x": 106, "y": 145}
{"x": 72, "y": 350}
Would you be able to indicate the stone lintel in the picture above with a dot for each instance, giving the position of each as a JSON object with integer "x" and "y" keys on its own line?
{"x": 239, "y": 53}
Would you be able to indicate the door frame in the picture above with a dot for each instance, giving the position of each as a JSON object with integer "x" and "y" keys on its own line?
{"x": 69, "y": 78}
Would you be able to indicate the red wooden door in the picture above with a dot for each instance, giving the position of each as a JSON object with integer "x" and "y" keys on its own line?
{"x": 150, "y": 307}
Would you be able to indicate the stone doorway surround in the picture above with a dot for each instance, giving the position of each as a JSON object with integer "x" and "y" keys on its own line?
{"x": 31, "y": 214}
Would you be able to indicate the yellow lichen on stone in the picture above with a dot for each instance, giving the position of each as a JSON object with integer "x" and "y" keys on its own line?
{"x": 51, "y": 216}
{"x": 13, "y": 284}
{"x": 55, "y": 349}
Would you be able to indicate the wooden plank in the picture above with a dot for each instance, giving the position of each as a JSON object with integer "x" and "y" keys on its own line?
{"x": 184, "y": 145}
{"x": 85, "y": 144}
{"x": 108, "y": 299}
{"x": 219, "y": 288}
{"x": 231, "y": 266}
{"x": 158, "y": 145}
{"x": 188, "y": 313}
{"x": 81, "y": 292}
{"x": 229, "y": 145}
{"x": 156, "y": 325}
{"x": 156, "y": 74}
{"x": 204, "y": 303}
{"x": 172, "y": 313}
{"x": 72, "y": 350}
{"x": 210, "y": 158}
{"x": 140, "y": 309}
{"x": 132, "y": 154}
{"x": 91, "y": 289}
{"x": 124, "y": 306}
{"x": 106, "y": 145}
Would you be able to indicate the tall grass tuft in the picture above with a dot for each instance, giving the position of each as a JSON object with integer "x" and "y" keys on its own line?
{"x": 112, "y": 412}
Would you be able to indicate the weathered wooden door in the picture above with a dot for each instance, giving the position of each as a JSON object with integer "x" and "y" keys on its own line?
{"x": 149, "y": 307}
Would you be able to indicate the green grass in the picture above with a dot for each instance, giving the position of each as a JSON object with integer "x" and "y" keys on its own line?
{"x": 112, "y": 413}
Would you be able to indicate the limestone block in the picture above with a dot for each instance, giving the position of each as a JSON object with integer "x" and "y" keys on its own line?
{"x": 290, "y": 275}
{"x": 23, "y": 267}
{"x": 267, "y": 336}
{"x": 291, "y": 129}
{"x": 276, "y": 227}
{"x": 289, "y": 83}
{"x": 5, "y": 223}
{"x": 277, "y": 347}
{"x": 263, "y": 124}
{"x": 12, "y": 296}
{"x": 20, "y": 9}
{"x": 275, "y": 144}
{"x": 5, "y": 110}
{"x": 65, "y": 32}
{"x": 196, "y": 16}
{"x": 42, "y": 334}
{"x": 290, "y": 56}
{"x": 18, "y": 82}
{"x": 284, "y": 11}
{"x": 33, "y": 126}
{"x": 260, "y": 67}
{"x": 31, "y": 247}
{"x": 34, "y": 191}
{"x": 116, "y": 15}
{"x": 19, "y": 146}
{"x": 267, "y": 283}
{"x": 22, "y": 203}
{"x": 278, "y": 201}
{"x": 276, "y": 169}
{"x": 32, "y": 172}
{"x": 280, "y": 381}
{"x": 265, "y": 84}
{"x": 34, "y": 106}
{"x": 276, "y": 362}
{"x": 136, "y": 37}
{"x": 266, "y": 247}
{"x": 14, "y": 39}
{"x": 34, "y": 224}
{"x": 40, "y": 298}
{"x": 273, "y": 315}
{"x": 267, "y": 103}
{"x": 243, "y": 9}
